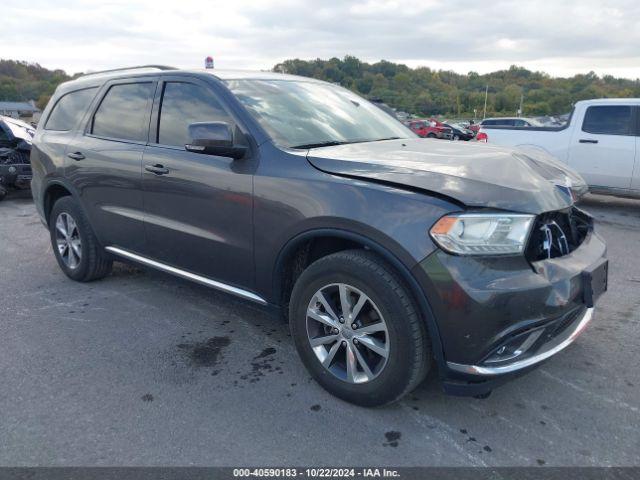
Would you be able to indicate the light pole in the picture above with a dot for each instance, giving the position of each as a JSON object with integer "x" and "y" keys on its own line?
{"x": 486, "y": 94}
{"x": 521, "y": 101}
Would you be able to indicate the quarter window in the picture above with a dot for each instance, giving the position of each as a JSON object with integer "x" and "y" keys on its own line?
{"x": 608, "y": 120}
{"x": 183, "y": 104}
{"x": 69, "y": 109}
{"x": 124, "y": 112}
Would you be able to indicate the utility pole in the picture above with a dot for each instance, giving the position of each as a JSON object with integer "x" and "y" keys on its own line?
{"x": 521, "y": 102}
{"x": 486, "y": 94}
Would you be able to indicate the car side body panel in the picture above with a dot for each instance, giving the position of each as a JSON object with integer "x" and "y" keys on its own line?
{"x": 291, "y": 198}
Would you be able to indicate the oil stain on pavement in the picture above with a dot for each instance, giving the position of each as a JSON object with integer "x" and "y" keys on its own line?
{"x": 393, "y": 438}
{"x": 207, "y": 353}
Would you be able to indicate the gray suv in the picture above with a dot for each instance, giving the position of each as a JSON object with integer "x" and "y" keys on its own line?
{"x": 390, "y": 255}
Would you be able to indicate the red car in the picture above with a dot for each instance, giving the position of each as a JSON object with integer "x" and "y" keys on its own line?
{"x": 429, "y": 129}
{"x": 474, "y": 127}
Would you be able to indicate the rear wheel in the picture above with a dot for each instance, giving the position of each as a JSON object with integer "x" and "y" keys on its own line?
{"x": 74, "y": 244}
{"x": 431, "y": 135}
{"x": 357, "y": 330}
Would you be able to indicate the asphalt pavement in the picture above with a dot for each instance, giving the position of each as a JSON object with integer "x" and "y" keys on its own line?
{"x": 142, "y": 368}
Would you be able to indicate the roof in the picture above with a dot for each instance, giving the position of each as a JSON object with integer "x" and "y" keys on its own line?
{"x": 18, "y": 106}
{"x": 97, "y": 78}
{"x": 253, "y": 75}
{"x": 609, "y": 101}
{"x": 508, "y": 118}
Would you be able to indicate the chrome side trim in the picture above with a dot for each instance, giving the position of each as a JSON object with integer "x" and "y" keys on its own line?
{"x": 527, "y": 362}
{"x": 188, "y": 275}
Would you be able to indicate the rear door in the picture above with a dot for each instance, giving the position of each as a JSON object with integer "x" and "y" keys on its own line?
{"x": 603, "y": 148}
{"x": 198, "y": 207}
{"x": 105, "y": 161}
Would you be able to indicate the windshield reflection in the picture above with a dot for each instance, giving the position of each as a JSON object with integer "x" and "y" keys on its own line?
{"x": 308, "y": 113}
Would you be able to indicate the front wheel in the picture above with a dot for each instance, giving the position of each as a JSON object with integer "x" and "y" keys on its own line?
{"x": 456, "y": 137}
{"x": 357, "y": 329}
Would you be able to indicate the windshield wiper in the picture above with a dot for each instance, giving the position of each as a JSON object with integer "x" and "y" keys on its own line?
{"x": 328, "y": 143}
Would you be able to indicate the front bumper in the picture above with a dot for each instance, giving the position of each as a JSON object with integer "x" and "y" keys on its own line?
{"x": 500, "y": 317}
{"x": 547, "y": 350}
{"x": 15, "y": 174}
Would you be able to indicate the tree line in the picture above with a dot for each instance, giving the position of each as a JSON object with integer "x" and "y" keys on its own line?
{"x": 23, "y": 81}
{"x": 423, "y": 91}
{"x": 420, "y": 91}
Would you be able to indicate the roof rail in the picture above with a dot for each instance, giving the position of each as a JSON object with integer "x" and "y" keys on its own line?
{"x": 157, "y": 67}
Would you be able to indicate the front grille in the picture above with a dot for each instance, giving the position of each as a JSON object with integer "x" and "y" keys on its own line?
{"x": 558, "y": 233}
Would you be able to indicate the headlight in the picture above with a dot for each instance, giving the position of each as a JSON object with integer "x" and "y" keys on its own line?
{"x": 483, "y": 234}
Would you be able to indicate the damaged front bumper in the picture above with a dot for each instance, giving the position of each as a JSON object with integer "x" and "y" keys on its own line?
{"x": 500, "y": 317}
{"x": 18, "y": 175}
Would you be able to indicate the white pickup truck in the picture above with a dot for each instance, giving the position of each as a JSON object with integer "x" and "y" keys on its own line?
{"x": 601, "y": 141}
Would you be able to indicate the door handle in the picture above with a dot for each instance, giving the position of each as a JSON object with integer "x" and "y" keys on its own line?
{"x": 157, "y": 169}
{"x": 76, "y": 155}
{"x": 587, "y": 140}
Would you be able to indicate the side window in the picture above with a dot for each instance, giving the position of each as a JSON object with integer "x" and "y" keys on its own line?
{"x": 183, "y": 104}
{"x": 69, "y": 109}
{"x": 124, "y": 112}
{"x": 520, "y": 123}
{"x": 608, "y": 120}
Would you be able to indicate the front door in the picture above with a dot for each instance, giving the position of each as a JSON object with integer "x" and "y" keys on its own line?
{"x": 603, "y": 149}
{"x": 198, "y": 207}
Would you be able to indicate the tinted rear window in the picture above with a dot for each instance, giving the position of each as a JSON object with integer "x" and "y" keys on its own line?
{"x": 124, "y": 112}
{"x": 69, "y": 109}
{"x": 608, "y": 120}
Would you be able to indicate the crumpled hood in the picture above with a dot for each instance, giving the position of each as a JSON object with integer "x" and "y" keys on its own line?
{"x": 475, "y": 174}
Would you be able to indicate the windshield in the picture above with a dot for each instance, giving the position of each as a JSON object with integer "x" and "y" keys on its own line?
{"x": 305, "y": 114}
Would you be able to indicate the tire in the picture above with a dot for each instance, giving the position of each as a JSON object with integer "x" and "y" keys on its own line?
{"x": 91, "y": 262}
{"x": 3, "y": 193}
{"x": 404, "y": 341}
{"x": 456, "y": 138}
{"x": 431, "y": 135}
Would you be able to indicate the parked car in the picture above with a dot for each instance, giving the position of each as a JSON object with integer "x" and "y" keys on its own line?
{"x": 429, "y": 129}
{"x": 15, "y": 146}
{"x": 390, "y": 255}
{"x": 600, "y": 141}
{"x": 510, "y": 122}
{"x": 458, "y": 132}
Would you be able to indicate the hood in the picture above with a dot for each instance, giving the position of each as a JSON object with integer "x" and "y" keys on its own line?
{"x": 475, "y": 174}
{"x": 17, "y": 129}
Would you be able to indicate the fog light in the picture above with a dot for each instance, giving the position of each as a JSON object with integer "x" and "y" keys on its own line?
{"x": 515, "y": 347}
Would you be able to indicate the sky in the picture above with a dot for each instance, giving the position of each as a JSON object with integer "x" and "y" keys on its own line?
{"x": 559, "y": 37}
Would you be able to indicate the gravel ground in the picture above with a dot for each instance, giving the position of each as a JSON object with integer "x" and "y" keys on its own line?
{"x": 146, "y": 369}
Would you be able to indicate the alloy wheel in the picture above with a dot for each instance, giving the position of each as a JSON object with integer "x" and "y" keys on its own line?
{"x": 68, "y": 240}
{"x": 347, "y": 333}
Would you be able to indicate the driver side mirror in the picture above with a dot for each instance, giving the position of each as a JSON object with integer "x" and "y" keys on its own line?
{"x": 214, "y": 138}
